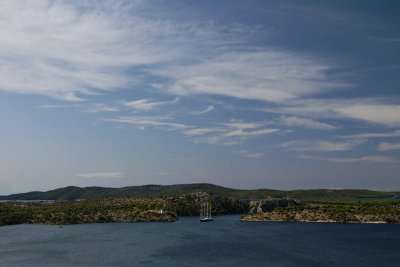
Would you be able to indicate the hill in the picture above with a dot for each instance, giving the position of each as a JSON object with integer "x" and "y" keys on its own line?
{"x": 152, "y": 191}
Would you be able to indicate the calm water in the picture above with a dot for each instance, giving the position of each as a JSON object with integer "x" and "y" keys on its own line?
{"x": 224, "y": 242}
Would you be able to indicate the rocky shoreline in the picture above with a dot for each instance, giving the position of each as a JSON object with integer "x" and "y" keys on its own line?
{"x": 169, "y": 208}
{"x": 291, "y": 210}
{"x": 297, "y": 218}
{"x": 163, "y": 209}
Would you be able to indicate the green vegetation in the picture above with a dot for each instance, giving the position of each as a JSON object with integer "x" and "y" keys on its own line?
{"x": 71, "y": 212}
{"x": 115, "y": 209}
{"x": 349, "y": 211}
{"x": 144, "y": 203}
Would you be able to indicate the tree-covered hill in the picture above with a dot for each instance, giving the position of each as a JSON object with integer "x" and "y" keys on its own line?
{"x": 145, "y": 191}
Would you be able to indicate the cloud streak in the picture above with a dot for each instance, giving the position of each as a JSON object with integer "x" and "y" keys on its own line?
{"x": 147, "y": 105}
{"x": 161, "y": 122}
{"x": 378, "y": 111}
{"x": 291, "y": 121}
{"x": 273, "y": 76}
{"x": 321, "y": 146}
{"x": 247, "y": 154}
{"x": 373, "y": 135}
{"x": 206, "y": 110}
{"x": 368, "y": 159}
{"x": 230, "y": 133}
{"x": 98, "y": 107}
{"x": 388, "y": 146}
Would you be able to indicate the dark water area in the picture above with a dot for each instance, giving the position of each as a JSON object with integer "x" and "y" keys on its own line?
{"x": 224, "y": 242}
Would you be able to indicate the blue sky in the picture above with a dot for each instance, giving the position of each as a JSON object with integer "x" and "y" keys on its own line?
{"x": 245, "y": 94}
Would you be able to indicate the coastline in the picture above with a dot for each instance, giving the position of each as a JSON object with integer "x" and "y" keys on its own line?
{"x": 170, "y": 208}
{"x": 308, "y": 221}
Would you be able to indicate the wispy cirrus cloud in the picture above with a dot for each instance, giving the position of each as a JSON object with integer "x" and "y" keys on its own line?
{"x": 245, "y": 133}
{"x": 161, "y": 122}
{"x": 388, "y": 146}
{"x": 246, "y": 129}
{"x": 206, "y": 110}
{"x": 102, "y": 175}
{"x": 370, "y": 159}
{"x": 146, "y": 104}
{"x": 379, "y": 111}
{"x": 69, "y": 50}
{"x": 234, "y": 132}
{"x": 53, "y": 106}
{"x": 248, "y": 154}
{"x": 230, "y": 133}
{"x": 304, "y": 122}
{"x": 64, "y": 50}
{"x": 274, "y": 76}
{"x": 375, "y": 113}
{"x": 203, "y": 131}
{"x": 98, "y": 107}
{"x": 73, "y": 50}
{"x": 321, "y": 145}
{"x": 373, "y": 135}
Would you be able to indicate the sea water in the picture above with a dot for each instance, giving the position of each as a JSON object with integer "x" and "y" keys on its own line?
{"x": 187, "y": 242}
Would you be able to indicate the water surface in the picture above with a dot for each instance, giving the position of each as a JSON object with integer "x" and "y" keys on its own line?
{"x": 224, "y": 242}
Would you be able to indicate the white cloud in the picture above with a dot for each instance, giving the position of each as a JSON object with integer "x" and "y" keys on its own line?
{"x": 388, "y": 146}
{"x": 304, "y": 122}
{"x": 61, "y": 50}
{"x": 321, "y": 146}
{"x": 243, "y": 133}
{"x": 146, "y": 104}
{"x": 102, "y": 175}
{"x": 247, "y": 154}
{"x": 271, "y": 75}
{"x": 97, "y": 107}
{"x": 202, "y": 131}
{"x": 150, "y": 121}
{"x": 243, "y": 130}
{"x": 380, "y": 114}
{"x": 234, "y": 133}
{"x": 208, "y": 109}
{"x": 376, "y": 111}
{"x": 371, "y": 159}
{"x": 373, "y": 135}
{"x": 53, "y": 106}
{"x": 243, "y": 125}
{"x": 68, "y": 49}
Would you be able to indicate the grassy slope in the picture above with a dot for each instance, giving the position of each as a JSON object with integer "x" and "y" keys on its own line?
{"x": 72, "y": 192}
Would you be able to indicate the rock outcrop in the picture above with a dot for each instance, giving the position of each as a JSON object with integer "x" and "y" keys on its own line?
{"x": 268, "y": 205}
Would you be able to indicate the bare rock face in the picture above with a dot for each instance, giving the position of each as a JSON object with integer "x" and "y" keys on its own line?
{"x": 268, "y": 205}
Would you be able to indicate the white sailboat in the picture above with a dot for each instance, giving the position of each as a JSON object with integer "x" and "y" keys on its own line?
{"x": 205, "y": 212}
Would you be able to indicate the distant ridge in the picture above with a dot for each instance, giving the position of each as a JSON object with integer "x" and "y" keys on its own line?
{"x": 146, "y": 191}
{"x": 74, "y": 192}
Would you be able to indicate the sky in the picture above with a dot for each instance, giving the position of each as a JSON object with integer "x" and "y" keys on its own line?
{"x": 243, "y": 94}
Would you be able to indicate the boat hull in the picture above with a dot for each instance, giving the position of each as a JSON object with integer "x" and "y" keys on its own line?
{"x": 206, "y": 220}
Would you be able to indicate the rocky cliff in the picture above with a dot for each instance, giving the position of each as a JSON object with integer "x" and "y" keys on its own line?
{"x": 346, "y": 211}
{"x": 268, "y": 205}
